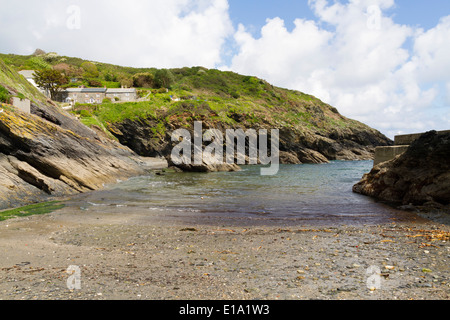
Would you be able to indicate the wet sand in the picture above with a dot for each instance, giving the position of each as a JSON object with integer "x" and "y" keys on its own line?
{"x": 132, "y": 258}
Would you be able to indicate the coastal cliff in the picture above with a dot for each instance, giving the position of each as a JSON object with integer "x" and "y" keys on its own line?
{"x": 297, "y": 144}
{"x": 420, "y": 176}
{"x": 311, "y": 131}
{"x": 49, "y": 152}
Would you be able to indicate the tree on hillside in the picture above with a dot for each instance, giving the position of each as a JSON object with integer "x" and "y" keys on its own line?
{"x": 51, "y": 57}
{"x": 144, "y": 80}
{"x": 68, "y": 70}
{"x": 109, "y": 76}
{"x": 164, "y": 78}
{"x": 126, "y": 81}
{"x": 63, "y": 68}
{"x": 50, "y": 80}
{"x": 90, "y": 70}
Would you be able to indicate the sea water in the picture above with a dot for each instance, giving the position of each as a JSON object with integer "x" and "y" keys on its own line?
{"x": 298, "y": 194}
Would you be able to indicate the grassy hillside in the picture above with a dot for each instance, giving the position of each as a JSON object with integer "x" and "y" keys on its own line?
{"x": 220, "y": 95}
{"x": 176, "y": 97}
{"x": 48, "y": 152}
{"x": 223, "y": 97}
{"x": 11, "y": 81}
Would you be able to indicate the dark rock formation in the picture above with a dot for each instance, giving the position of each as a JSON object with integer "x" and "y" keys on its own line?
{"x": 51, "y": 153}
{"x": 420, "y": 175}
{"x": 296, "y": 144}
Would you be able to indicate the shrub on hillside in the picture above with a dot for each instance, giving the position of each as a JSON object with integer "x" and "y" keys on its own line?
{"x": 164, "y": 78}
{"x": 95, "y": 83}
{"x": 4, "y": 95}
{"x": 144, "y": 80}
{"x": 37, "y": 63}
{"x": 85, "y": 113}
{"x": 126, "y": 81}
{"x": 110, "y": 77}
{"x": 90, "y": 70}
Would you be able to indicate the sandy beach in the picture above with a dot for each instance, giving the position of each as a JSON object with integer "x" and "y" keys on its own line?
{"x": 132, "y": 258}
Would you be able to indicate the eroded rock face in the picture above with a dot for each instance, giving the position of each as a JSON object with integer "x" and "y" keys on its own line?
{"x": 420, "y": 175}
{"x": 296, "y": 145}
{"x": 51, "y": 153}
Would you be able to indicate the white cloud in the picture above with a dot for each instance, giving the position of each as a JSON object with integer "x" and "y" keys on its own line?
{"x": 169, "y": 33}
{"x": 432, "y": 52}
{"x": 355, "y": 58}
{"x": 279, "y": 54}
{"x": 352, "y": 56}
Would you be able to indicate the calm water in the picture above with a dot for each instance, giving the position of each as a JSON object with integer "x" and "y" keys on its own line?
{"x": 300, "y": 194}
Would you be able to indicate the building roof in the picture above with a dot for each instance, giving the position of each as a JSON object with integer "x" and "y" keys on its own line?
{"x": 101, "y": 90}
{"x": 86, "y": 90}
{"x": 121, "y": 90}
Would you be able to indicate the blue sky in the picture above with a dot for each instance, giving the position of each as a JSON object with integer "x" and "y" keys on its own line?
{"x": 382, "y": 62}
{"x": 419, "y": 12}
{"x": 255, "y": 12}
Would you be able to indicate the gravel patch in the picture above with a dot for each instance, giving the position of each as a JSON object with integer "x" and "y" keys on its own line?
{"x": 128, "y": 259}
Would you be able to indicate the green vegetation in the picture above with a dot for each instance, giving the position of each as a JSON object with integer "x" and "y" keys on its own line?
{"x": 9, "y": 78}
{"x": 224, "y": 97}
{"x": 51, "y": 80}
{"x": 40, "y": 208}
{"x": 90, "y": 70}
{"x": 144, "y": 80}
{"x": 36, "y": 63}
{"x": 187, "y": 94}
{"x": 163, "y": 78}
{"x": 4, "y": 95}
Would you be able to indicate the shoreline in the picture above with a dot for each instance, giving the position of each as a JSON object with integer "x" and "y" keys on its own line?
{"x": 128, "y": 257}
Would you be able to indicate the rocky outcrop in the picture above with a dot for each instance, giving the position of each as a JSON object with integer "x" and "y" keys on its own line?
{"x": 208, "y": 167}
{"x": 297, "y": 145}
{"x": 419, "y": 176}
{"x": 50, "y": 153}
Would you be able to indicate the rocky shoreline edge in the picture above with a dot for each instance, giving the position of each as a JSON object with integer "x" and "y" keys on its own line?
{"x": 417, "y": 180}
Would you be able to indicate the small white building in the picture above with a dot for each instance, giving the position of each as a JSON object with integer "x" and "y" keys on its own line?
{"x": 86, "y": 95}
{"x": 122, "y": 94}
{"x": 96, "y": 95}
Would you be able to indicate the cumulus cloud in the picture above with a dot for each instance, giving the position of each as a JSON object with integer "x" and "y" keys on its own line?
{"x": 169, "y": 33}
{"x": 355, "y": 58}
{"x": 353, "y": 55}
{"x": 432, "y": 52}
{"x": 279, "y": 53}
